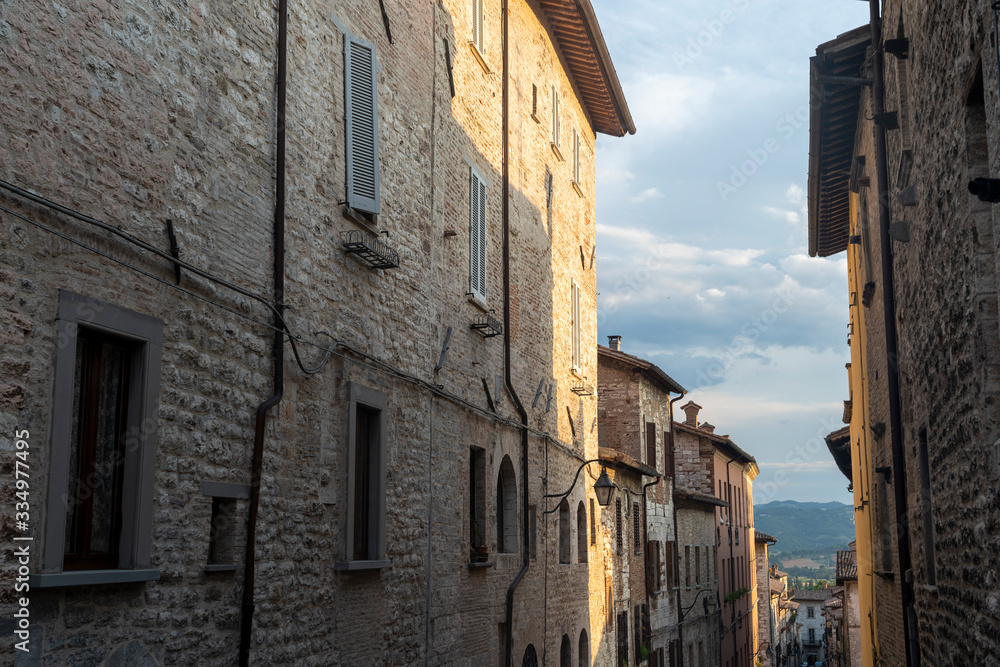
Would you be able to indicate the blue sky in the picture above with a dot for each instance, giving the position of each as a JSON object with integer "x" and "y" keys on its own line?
{"x": 703, "y": 264}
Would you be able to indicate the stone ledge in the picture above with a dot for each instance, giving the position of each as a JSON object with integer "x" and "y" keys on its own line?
{"x": 91, "y": 578}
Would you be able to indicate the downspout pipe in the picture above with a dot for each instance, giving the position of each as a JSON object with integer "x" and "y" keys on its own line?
{"x": 673, "y": 491}
{"x": 891, "y": 343}
{"x": 260, "y": 418}
{"x": 645, "y": 546}
{"x": 732, "y": 553}
{"x": 508, "y": 382}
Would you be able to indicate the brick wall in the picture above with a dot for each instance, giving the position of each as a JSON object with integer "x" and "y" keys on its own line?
{"x": 138, "y": 112}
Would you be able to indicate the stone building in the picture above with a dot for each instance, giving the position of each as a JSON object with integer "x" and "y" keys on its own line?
{"x": 765, "y": 616}
{"x": 297, "y": 302}
{"x": 634, "y": 420}
{"x": 892, "y": 181}
{"x": 847, "y": 579}
{"x": 811, "y": 624}
{"x": 785, "y": 652}
{"x": 697, "y": 577}
{"x": 713, "y": 465}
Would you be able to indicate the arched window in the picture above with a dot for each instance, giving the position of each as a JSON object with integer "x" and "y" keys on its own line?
{"x": 564, "y": 531}
{"x": 530, "y": 657}
{"x": 581, "y": 533}
{"x": 506, "y": 508}
{"x": 566, "y": 653}
{"x": 584, "y": 649}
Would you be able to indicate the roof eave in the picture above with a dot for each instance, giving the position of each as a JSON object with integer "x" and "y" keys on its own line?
{"x": 607, "y": 67}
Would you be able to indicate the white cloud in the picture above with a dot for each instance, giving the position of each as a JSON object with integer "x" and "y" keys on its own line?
{"x": 647, "y": 194}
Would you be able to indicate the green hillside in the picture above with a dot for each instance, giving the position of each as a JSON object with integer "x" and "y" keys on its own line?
{"x": 803, "y": 528}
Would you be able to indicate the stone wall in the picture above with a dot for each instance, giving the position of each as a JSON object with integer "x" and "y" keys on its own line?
{"x": 946, "y": 314}
{"x": 140, "y": 112}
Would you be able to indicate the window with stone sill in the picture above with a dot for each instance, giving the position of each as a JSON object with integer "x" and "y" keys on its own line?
{"x": 365, "y": 546}
{"x": 103, "y": 444}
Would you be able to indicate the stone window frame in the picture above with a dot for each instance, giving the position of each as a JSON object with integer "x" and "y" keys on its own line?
{"x": 360, "y": 395}
{"x": 135, "y": 541}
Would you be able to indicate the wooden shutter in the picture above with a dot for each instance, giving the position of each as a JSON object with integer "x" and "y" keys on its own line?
{"x": 477, "y": 235}
{"x": 576, "y": 157}
{"x": 478, "y": 36}
{"x": 668, "y": 453}
{"x": 651, "y": 444}
{"x": 577, "y": 350}
{"x": 623, "y": 638}
{"x": 637, "y": 630}
{"x": 555, "y": 116}
{"x": 361, "y": 116}
{"x": 669, "y": 561}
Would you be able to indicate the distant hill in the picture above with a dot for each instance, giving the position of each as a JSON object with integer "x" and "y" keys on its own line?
{"x": 802, "y": 528}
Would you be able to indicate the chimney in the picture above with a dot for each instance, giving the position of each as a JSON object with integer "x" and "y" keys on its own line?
{"x": 691, "y": 411}
{"x": 705, "y": 426}
{"x": 615, "y": 343}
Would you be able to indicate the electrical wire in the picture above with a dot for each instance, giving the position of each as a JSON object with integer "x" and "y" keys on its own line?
{"x": 328, "y": 350}
{"x": 292, "y": 339}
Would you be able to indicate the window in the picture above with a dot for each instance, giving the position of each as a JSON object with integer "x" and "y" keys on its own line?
{"x": 812, "y": 634}
{"x": 478, "y": 35}
{"x": 361, "y": 115}
{"x": 697, "y": 566}
{"x": 477, "y": 497}
{"x": 593, "y": 523}
{"x": 97, "y": 450}
{"x": 636, "y": 532}
{"x": 555, "y": 118}
{"x": 687, "y": 565}
{"x": 103, "y": 444}
{"x": 222, "y": 535}
{"x": 506, "y": 507}
{"x": 618, "y": 524}
{"x": 928, "y": 510}
{"x": 530, "y": 658}
{"x": 577, "y": 351}
{"x": 222, "y": 529}
{"x": 533, "y": 528}
{"x": 583, "y": 650}
{"x": 566, "y": 652}
{"x": 576, "y": 159}
{"x": 564, "y": 532}
{"x": 534, "y": 103}
{"x": 477, "y": 235}
{"x": 581, "y": 533}
{"x": 366, "y": 431}
{"x": 810, "y": 612}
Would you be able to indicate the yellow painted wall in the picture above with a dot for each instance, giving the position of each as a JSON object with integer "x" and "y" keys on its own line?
{"x": 861, "y": 462}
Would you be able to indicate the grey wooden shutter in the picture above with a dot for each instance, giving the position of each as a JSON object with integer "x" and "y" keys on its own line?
{"x": 477, "y": 235}
{"x": 361, "y": 100}
{"x": 555, "y": 116}
{"x": 577, "y": 352}
{"x": 478, "y": 36}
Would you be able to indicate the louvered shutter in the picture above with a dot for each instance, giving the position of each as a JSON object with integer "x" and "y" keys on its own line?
{"x": 555, "y": 116}
{"x": 361, "y": 100}
{"x": 576, "y": 157}
{"x": 577, "y": 352}
{"x": 477, "y": 235}
{"x": 651, "y": 444}
{"x": 478, "y": 36}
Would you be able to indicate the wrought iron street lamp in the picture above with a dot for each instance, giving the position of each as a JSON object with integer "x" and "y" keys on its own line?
{"x": 602, "y": 487}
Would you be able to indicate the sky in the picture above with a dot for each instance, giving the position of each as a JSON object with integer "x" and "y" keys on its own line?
{"x": 703, "y": 262}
